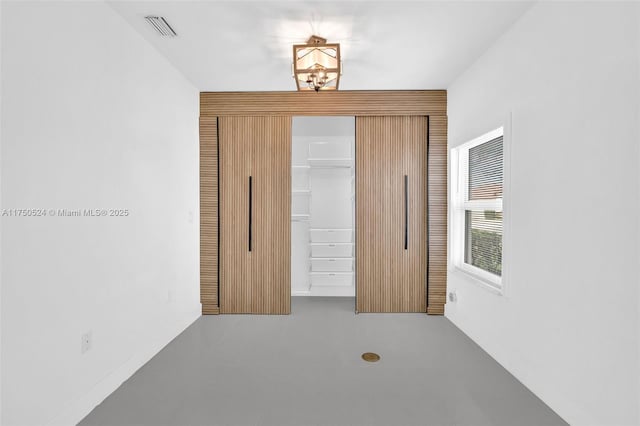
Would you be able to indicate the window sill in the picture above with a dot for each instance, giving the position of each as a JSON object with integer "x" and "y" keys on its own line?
{"x": 490, "y": 286}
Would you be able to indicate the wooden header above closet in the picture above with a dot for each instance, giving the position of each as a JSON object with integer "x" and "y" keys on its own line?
{"x": 379, "y": 102}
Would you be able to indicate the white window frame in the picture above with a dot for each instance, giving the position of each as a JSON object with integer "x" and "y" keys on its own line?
{"x": 460, "y": 204}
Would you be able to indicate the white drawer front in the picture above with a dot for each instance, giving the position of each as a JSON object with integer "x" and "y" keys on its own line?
{"x": 332, "y": 250}
{"x": 331, "y": 279}
{"x": 330, "y": 235}
{"x": 332, "y": 265}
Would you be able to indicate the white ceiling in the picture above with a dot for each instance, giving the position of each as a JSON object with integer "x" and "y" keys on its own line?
{"x": 246, "y": 46}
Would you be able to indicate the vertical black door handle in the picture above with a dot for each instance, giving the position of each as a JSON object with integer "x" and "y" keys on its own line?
{"x": 250, "y": 209}
{"x": 406, "y": 212}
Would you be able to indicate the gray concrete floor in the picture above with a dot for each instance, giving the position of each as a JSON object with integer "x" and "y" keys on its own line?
{"x": 305, "y": 370}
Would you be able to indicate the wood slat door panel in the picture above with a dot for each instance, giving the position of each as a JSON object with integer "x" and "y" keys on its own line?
{"x": 209, "y": 215}
{"x": 414, "y": 259}
{"x": 437, "y": 214}
{"x": 235, "y": 169}
{"x": 271, "y": 168}
{"x": 373, "y": 213}
{"x": 388, "y": 277}
{"x": 256, "y": 281}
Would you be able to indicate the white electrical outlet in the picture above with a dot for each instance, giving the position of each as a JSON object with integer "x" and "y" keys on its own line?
{"x": 85, "y": 342}
{"x": 453, "y": 296}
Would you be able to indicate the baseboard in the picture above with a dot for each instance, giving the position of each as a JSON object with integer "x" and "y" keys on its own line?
{"x": 75, "y": 411}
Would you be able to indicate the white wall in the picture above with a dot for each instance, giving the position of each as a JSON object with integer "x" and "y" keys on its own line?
{"x": 92, "y": 117}
{"x": 567, "y": 326}
{"x": 638, "y": 138}
{"x": 333, "y": 126}
{"x": 1, "y": 33}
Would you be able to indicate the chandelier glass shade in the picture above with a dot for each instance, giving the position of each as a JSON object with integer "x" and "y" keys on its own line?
{"x": 316, "y": 65}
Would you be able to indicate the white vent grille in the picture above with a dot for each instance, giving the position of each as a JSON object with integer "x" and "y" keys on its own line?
{"x": 161, "y": 26}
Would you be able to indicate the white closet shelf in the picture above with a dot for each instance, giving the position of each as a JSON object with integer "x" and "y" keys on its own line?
{"x": 301, "y": 191}
{"x": 301, "y": 167}
{"x": 331, "y": 258}
{"x": 319, "y": 235}
{"x": 331, "y": 163}
{"x": 300, "y": 217}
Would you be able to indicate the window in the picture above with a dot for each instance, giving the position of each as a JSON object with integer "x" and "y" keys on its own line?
{"x": 477, "y": 179}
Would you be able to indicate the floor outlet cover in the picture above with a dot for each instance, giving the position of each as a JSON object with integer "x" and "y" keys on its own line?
{"x": 370, "y": 357}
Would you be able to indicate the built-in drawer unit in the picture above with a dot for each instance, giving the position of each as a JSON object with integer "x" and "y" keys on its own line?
{"x": 331, "y": 279}
{"x": 331, "y": 249}
{"x": 331, "y": 264}
{"x": 330, "y": 235}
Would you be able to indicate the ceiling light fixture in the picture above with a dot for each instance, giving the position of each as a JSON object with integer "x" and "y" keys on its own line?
{"x": 161, "y": 26}
{"x": 316, "y": 65}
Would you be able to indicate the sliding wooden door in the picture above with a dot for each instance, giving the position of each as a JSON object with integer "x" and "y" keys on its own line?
{"x": 255, "y": 214}
{"x": 391, "y": 214}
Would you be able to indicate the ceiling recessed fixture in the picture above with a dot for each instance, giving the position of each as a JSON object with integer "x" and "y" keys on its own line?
{"x": 316, "y": 65}
{"x": 161, "y": 26}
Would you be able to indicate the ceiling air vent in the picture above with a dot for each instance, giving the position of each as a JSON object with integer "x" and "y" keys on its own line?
{"x": 161, "y": 26}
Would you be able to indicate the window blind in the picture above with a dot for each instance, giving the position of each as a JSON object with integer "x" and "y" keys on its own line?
{"x": 485, "y": 170}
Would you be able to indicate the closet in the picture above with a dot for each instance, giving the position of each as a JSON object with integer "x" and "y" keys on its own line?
{"x": 341, "y": 193}
{"x": 322, "y": 221}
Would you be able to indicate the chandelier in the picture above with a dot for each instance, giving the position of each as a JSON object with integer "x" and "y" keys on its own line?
{"x": 316, "y": 65}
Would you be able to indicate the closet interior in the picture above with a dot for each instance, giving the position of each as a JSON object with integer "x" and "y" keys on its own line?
{"x": 323, "y": 206}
